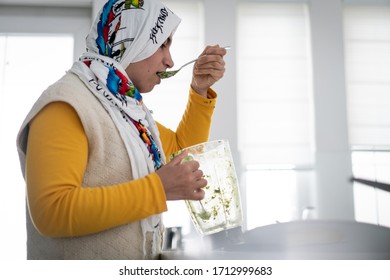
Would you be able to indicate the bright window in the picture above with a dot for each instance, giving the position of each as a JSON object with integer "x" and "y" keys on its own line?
{"x": 274, "y": 108}
{"x": 372, "y": 205}
{"x": 28, "y": 65}
{"x": 367, "y": 50}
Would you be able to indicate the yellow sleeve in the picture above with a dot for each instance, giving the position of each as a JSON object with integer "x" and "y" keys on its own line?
{"x": 57, "y": 154}
{"x": 194, "y": 126}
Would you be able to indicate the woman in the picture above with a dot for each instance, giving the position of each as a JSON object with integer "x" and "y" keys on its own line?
{"x": 93, "y": 157}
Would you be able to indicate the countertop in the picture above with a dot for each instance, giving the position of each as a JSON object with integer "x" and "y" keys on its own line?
{"x": 300, "y": 240}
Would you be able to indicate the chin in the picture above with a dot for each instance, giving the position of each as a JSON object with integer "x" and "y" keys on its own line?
{"x": 148, "y": 85}
{"x": 146, "y": 90}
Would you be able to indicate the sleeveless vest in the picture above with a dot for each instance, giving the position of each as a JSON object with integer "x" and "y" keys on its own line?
{"x": 108, "y": 164}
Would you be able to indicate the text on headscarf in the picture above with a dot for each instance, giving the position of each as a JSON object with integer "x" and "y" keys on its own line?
{"x": 159, "y": 25}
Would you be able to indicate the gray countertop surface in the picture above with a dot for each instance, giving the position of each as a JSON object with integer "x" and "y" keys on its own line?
{"x": 300, "y": 240}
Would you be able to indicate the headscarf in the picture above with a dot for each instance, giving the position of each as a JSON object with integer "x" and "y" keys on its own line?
{"x": 125, "y": 32}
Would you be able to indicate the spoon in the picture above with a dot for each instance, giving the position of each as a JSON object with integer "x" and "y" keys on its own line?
{"x": 168, "y": 74}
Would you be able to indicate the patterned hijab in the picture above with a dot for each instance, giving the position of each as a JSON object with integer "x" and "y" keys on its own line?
{"x": 124, "y": 32}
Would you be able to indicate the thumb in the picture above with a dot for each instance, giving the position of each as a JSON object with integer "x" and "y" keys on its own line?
{"x": 178, "y": 158}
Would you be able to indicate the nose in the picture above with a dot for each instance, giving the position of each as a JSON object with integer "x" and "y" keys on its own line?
{"x": 168, "y": 61}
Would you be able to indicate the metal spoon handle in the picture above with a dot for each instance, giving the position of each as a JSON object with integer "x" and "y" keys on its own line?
{"x": 192, "y": 61}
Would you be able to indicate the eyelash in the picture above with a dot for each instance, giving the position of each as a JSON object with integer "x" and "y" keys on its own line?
{"x": 165, "y": 44}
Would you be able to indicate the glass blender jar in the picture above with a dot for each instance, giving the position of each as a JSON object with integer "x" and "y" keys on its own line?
{"x": 220, "y": 209}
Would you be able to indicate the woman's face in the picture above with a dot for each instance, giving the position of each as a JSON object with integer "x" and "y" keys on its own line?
{"x": 143, "y": 73}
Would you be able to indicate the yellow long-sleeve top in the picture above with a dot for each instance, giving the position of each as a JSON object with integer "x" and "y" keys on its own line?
{"x": 57, "y": 155}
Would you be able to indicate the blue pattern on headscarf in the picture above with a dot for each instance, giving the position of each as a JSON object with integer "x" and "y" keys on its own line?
{"x": 112, "y": 81}
{"x": 104, "y": 48}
